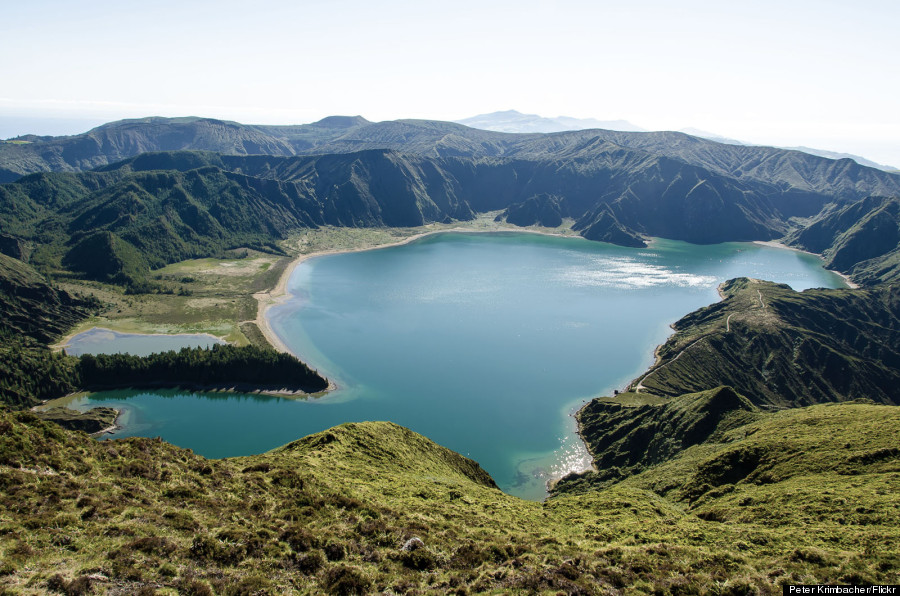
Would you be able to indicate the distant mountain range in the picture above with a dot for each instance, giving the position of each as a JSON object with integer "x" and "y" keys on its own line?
{"x": 517, "y": 122}
{"x": 838, "y": 155}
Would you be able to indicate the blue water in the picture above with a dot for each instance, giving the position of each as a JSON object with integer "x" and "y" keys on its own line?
{"x": 485, "y": 343}
{"x": 104, "y": 341}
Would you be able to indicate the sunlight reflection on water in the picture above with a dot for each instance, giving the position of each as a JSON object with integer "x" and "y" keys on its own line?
{"x": 625, "y": 272}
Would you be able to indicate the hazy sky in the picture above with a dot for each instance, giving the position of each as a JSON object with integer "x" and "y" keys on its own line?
{"x": 819, "y": 73}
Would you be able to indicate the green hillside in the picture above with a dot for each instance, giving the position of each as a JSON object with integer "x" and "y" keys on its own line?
{"x": 31, "y": 307}
{"x": 618, "y": 185}
{"x": 33, "y": 313}
{"x": 170, "y": 207}
{"x": 631, "y": 433}
{"x": 116, "y": 226}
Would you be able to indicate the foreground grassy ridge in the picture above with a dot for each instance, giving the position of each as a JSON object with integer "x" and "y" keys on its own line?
{"x": 785, "y": 348}
{"x": 332, "y": 512}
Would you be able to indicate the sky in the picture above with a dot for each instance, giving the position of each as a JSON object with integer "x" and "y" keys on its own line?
{"x": 820, "y": 73}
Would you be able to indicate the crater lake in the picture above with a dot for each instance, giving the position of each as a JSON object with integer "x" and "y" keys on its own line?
{"x": 485, "y": 343}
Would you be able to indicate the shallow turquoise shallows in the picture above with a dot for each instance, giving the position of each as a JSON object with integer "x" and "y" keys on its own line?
{"x": 98, "y": 340}
{"x": 485, "y": 343}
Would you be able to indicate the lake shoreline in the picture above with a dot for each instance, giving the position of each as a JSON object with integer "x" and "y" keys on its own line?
{"x": 280, "y": 293}
{"x": 112, "y": 428}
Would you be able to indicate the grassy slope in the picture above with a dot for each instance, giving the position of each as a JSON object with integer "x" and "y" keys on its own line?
{"x": 830, "y": 473}
{"x": 334, "y": 509}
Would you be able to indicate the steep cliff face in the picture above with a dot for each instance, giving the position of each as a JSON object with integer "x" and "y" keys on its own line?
{"x": 542, "y": 210}
{"x": 203, "y": 204}
{"x": 602, "y": 225}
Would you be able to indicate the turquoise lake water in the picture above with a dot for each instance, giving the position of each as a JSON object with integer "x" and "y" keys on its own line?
{"x": 485, "y": 343}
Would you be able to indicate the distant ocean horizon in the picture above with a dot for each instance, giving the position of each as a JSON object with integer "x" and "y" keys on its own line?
{"x": 17, "y": 126}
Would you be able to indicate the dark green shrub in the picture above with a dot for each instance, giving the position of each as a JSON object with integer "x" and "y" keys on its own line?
{"x": 310, "y": 562}
{"x": 343, "y": 580}
{"x": 468, "y": 556}
{"x": 180, "y": 520}
{"x": 254, "y": 585}
{"x": 420, "y": 559}
{"x": 77, "y": 587}
{"x": 299, "y": 538}
{"x": 193, "y": 587}
{"x": 153, "y": 545}
{"x": 335, "y": 552}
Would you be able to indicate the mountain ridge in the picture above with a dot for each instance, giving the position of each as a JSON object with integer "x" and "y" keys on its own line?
{"x": 422, "y": 137}
{"x": 861, "y": 239}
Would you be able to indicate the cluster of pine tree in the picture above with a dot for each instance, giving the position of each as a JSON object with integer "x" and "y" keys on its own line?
{"x": 30, "y": 372}
{"x": 221, "y": 365}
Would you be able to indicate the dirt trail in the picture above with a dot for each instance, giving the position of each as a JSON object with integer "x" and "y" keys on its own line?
{"x": 640, "y": 385}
